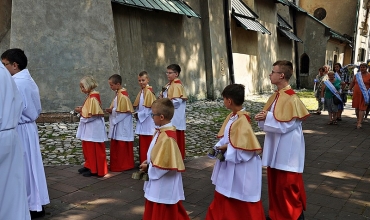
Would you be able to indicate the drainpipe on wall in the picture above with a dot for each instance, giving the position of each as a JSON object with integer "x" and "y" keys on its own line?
{"x": 229, "y": 49}
{"x": 355, "y": 32}
{"x": 296, "y": 57}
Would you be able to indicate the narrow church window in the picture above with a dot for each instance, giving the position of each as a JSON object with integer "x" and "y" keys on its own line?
{"x": 305, "y": 64}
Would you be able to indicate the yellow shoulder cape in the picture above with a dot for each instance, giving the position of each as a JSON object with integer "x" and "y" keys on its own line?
{"x": 123, "y": 102}
{"x": 176, "y": 90}
{"x": 92, "y": 105}
{"x": 241, "y": 135}
{"x": 288, "y": 105}
{"x": 149, "y": 97}
{"x": 166, "y": 154}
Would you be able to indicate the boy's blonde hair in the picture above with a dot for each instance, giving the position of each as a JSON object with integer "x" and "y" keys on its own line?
{"x": 89, "y": 83}
{"x": 164, "y": 107}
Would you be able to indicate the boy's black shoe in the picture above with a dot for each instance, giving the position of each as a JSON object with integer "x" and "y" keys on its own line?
{"x": 36, "y": 214}
{"x": 87, "y": 173}
{"x": 82, "y": 170}
{"x": 301, "y": 217}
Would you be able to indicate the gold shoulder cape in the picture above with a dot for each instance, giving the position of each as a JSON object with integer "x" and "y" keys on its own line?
{"x": 166, "y": 154}
{"x": 123, "y": 102}
{"x": 176, "y": 90}
{"x": 241, "y": 135}
{"x": 288, "y": 105}
{"x": 92, "y": 106}
{"x": 149, "y": 97}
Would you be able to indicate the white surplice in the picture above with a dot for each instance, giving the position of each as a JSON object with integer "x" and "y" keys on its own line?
{"x": 164, "y": 186}
{"x": 37, "y": 190}
{"x": 145, "y": 124}
{"x": 92, "y": 129}
{"x": 13, "y": 194}
{"x": 284, "y": 147}
{"x": 179, "y": 116}
{"x": 240, "y": 175}
{"x": 121, "y": 126}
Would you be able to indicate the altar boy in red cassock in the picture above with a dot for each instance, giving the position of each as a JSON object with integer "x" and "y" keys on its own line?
{"x": 284, "y": 146}
{"x": 164, "y": 190}
{"x": 174, "y": 90}
{"x": 91, "y": 130}
{"x": 238, "y": 174}
{"x": 144, "y": 123}
{"x": 120, "y": 128}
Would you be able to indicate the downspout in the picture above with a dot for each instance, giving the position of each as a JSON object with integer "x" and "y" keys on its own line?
{"x": 355, "y": 32}
{"x": 296, "y": 57}
{"x": 229, "y": 49}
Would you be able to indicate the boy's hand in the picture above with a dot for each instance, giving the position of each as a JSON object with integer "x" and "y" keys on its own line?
{"x": 222, "y": 148}
{"x": 109, "y": 110}
{"x": 78, "y": 109}
{"x": 144, "y": 166}
{"x": 261, "y": 116}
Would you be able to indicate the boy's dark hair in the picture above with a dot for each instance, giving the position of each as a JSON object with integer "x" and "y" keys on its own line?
{"x": 234, "y": 92}
{"x": 16, "y": 55}
{"x": 164, "y": 107}
{"x": 144, "y": 73}
{"x": 286, "y": 67}
{"x": 322, "y": 69}
{"x": 175, "y": 67}
{"x": 116, "y": 79}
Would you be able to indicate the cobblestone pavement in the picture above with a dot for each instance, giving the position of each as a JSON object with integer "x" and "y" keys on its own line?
{"x": 59, "y": 145}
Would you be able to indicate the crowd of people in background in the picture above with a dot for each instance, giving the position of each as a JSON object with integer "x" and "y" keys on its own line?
{"x": 332, "y": 87}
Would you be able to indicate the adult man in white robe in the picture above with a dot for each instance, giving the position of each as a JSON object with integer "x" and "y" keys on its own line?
{"x": 284, "y": 146}
{"x": 13, "y": 196}
{"x": 16, "y": 62}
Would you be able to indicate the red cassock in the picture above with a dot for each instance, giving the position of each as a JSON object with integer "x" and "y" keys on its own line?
{"x": 287, "y": 197}
{"x": 181, "y": 142}
{"x": 121, "y": 155}
{"x": 158, "y": 211}
{"x": 221, "y": 206}
{"x": 95, "y": 157}
{"x": 144, "y": 143}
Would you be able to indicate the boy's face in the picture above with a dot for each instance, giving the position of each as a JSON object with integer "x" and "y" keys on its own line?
{"x": 156, "y": 116}
{"x": 171, "y": 75}
{"x": 113, "y": 86}
{"x": 143, "y": 81}
{"x": 276, "y": 75}
{"x": 83, "y": 90}
{"x": 227, "y": 102}
{"x": 11, "y": 67}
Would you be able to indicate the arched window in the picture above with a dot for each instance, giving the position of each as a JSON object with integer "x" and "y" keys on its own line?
{"x": 305, "y": 64}
{"x": 335, "y": 59}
